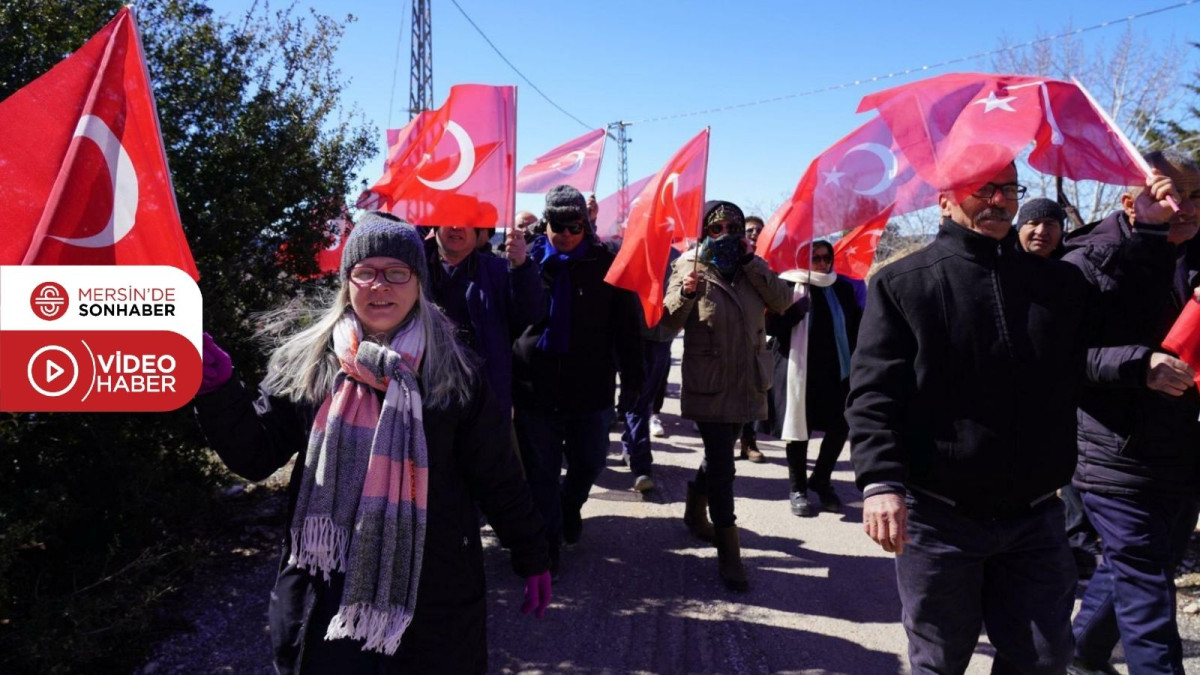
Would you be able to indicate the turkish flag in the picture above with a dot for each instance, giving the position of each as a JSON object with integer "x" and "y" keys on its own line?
{"x": 608, "y": 210}
{"x": 83, "y": 175}
{"x": 961, "y": 129}
{"x": 854, "y": 253}
{"x": 575, "y": 163}
{"x": 859, "y": 180}
{"x": 669, "y": 207}
{"x": 1184, "y": 338}
{"x": 453, "y": 166}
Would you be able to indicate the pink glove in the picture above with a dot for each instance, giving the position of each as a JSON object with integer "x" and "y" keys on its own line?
{"x": 537, "y": 594}
{"x": 217, "y": 366}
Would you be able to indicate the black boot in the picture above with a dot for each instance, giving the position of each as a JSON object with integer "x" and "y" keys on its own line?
{"x": 695, "y": 514}
{"x": 729, "y": 559}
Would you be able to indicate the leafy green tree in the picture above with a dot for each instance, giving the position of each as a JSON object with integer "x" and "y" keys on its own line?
{"x": 98, "y": 512}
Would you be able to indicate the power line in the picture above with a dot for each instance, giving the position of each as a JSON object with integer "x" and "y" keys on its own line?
{"x": 907, "y": 71}
{"x": 517, "y": 70}
{"x": 395, "y": 70}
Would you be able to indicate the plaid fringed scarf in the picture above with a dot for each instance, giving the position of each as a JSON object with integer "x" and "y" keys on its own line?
{"x": 361, "y": 507}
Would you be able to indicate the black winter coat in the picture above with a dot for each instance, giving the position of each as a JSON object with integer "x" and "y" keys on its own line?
{"x": 825, "y": 391}
{"x": 605, "y": 332}
{"x": 967, "y": 371}
{"x": 470, "y": 459}
{"x": 1133, "y": 440}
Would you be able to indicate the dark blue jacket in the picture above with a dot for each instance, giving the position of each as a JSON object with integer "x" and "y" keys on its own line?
{"x": 1133, "y": 440}
{"x": 502, "y": 302}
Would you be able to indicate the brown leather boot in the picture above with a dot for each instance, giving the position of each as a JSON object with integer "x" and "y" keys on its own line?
{"x": 750, "y": 450}
{"x": 729, "y": 559}
{"x": 695, "y": 514}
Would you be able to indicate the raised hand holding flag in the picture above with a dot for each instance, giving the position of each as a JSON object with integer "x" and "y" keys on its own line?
{"x": 669, "y": 207}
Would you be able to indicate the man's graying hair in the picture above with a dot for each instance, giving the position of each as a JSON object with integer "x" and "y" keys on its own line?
{"x": 1166, "y": 161}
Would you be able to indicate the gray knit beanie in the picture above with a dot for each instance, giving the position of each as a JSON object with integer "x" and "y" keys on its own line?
{"x": 1038, "y": 209}
{"x": 382, "y": 234}
{"x": 564, "y": 202}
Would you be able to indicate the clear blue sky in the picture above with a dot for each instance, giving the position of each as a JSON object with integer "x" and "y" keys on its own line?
{"x": 624, "y": 60}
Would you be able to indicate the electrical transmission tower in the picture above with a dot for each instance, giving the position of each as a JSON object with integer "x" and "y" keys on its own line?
{"x": 623, "y": 142}
{"x": 420, "y": 79}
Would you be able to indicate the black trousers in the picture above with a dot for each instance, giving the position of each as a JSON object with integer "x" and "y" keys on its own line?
{"x": 1015, "y": 576}
{"x": 827, "y": 457}
{"x": 715, "y": 477}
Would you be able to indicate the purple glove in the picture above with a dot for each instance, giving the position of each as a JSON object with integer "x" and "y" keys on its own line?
{"x": 537, "y": 594}
{"x": 217, "y": 366}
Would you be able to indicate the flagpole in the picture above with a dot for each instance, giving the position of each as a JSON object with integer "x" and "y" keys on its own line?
{"x": 1123, "y": 139}
{"x": 60, "y": 180}
{"x": 700, "y": 224}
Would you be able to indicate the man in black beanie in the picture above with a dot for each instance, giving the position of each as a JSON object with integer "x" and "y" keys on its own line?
{"x": 1040, "y": 227}
{"x": 564, "y": 370}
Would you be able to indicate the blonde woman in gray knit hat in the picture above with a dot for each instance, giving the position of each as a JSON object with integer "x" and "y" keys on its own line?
{"x": 397, "y": 438}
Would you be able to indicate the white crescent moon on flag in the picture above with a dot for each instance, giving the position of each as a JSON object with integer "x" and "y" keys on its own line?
{"x": 673, "y": 183}
{"x": 124, "y": 184}
{"x": 466, "y": 160}
{"x": 575, "y": 166}
{"x": 889, "y": 166}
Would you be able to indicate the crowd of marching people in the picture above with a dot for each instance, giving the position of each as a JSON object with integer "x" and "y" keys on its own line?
{"x": 999, "y": 367}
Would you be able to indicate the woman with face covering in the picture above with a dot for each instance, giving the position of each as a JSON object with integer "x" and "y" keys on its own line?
{"x": 718, "y": 293}
{"x": 397, "y": 439}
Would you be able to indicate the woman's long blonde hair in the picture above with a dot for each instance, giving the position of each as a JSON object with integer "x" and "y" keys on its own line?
{"x": 303, "y": 365}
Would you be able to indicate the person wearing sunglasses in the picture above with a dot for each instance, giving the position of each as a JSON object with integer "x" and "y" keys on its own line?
{"x": 398, "y": 439}
{"x": 718, "y": 294}
{"x": 816, "y": 336}
{"x": 565, "y": 366}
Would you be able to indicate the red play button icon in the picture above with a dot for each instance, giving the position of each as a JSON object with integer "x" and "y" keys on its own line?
{"x": 52, "y": 370}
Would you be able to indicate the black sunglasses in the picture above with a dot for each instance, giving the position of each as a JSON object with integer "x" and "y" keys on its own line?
{"x": 717, "y": 229}
{"x": 574, "y": 227}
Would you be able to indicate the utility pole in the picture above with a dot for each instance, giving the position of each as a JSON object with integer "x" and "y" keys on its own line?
{"x": 623, "y": 142}
{"x": 420, "y": 79}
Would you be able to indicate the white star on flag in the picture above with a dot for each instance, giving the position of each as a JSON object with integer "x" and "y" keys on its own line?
{"x": 834, "y": 177}
{"x": 992, "y": 103}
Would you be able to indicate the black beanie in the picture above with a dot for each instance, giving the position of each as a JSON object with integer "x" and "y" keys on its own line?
{"x": 1039, "y": 209}
{"x": 564, "y": 202}
{"x": 382, "y": 234}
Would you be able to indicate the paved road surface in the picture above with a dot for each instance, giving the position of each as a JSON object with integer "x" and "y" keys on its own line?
{"x": 637, "y": 593}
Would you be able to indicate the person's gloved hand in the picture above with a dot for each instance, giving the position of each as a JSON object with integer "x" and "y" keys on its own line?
{"x": 537, "y": 594}
{"x": 218, "y": 368}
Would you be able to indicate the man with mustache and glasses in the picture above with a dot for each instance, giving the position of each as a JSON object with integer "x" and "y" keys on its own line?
{"x": 957, "y": 463}
{"x": 1138, "y": 438}
{"x": 564, "y": 367}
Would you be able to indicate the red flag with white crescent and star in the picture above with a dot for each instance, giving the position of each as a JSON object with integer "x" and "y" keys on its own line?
{"x": 83, "y": 174}
{"x": 669, "y": 207}
{"x": 854, "y": 253}
{"x": 858, "y": 180}
{"x": 960, "y": 129}
{"x": 575, "y": 163}
{"x": 453, "y": 166}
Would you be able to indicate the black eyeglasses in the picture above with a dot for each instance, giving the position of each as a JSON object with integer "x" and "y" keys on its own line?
{"x": 1009, "y": 190}
{"x": 574, "y": 227}
{"x": 717, "y": 229}
{"x": 393, "y": 275}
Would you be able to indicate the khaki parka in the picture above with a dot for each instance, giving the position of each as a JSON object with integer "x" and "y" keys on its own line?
{"x": 726, "y": 364}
